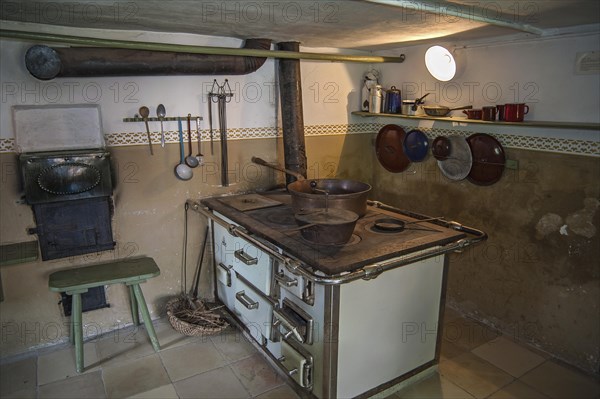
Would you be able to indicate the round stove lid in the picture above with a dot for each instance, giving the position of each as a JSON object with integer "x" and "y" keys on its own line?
{"x": 416, "y": 145}
{"x": 459, "y": 161}
{"x": 488, "y": 159}
{"x": 389, "y": 148}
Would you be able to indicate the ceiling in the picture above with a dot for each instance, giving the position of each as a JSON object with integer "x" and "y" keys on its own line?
{"x": 352, "y": 24}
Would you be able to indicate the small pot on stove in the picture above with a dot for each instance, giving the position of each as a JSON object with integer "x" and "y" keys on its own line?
{"x": 326, "y": 226}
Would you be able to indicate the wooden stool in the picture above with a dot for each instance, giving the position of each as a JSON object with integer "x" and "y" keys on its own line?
{"x": 131, "y": 271}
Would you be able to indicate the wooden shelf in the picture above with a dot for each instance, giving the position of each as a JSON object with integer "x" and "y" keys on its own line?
{"x": 555, "y": 125}
{"x": 165, "y": 119}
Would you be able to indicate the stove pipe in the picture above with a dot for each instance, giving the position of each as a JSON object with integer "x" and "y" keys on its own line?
{"x": 290, "y": 92}
{"x": 46, "y": 63}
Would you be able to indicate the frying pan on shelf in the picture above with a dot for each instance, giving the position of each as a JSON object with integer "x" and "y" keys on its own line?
{"x": 440, "y": 110}
{"x": 389, "y": 148}
{"x": 459, "y": 161}
{"x": 488, "y": 159}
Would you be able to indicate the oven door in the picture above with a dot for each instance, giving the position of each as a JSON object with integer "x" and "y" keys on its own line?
{"x": 292, "y": 322}
{"x": 297, "y": 363}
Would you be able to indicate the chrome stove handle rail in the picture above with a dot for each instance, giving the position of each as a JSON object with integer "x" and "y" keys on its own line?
{"x": 367, "y": 272}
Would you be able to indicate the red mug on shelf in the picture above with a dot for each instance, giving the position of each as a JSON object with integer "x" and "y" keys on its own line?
{"x": 473, "y": 113}
{"x": 515, "y": 112}
{"x": 500, "y": 108}
{"x": 488, "y": 113}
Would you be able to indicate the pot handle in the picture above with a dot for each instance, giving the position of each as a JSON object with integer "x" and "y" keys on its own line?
{"x": 459, "y": 108}
{"x": 262, "y": 162}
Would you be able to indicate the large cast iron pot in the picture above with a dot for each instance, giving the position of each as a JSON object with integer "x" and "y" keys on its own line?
{"x": 321, "y": 193}
{"x": 341, "y": 194}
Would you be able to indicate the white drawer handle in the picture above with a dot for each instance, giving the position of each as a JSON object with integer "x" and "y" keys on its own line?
{"x": 246, "y": 300}
{"x": 245, "y": 258}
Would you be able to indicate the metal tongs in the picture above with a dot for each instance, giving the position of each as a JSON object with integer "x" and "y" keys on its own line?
{"x": 220, "y": 94}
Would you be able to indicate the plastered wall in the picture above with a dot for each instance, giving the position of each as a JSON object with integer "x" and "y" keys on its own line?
{"x": 148, "y": 198}
{"x": 537, "y": 278}
{"x": 534, "y": 278}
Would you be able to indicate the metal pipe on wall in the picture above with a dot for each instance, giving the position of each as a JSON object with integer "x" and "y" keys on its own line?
{"x": 290, "y": 92}
{"x": 181, "y": 48}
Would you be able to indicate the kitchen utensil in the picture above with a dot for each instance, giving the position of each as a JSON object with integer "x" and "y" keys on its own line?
{"x": 500, "y": 108}
{"x": 327, "y": 226}
{"x": 221, "y": 94}
{"x": 488, "y": 113}
{"x": 440, "y": 148}
{"x": 515, "y": 112}
{"x": 375, "y": 99}
{"x": 190, "y": 160}
{"x": 488, "y": 159}
{"x": 416, "y": 145}
{"x": 223, "y": 136}
{"x": 182, "y": 171}
{"x": 393, "y": 101}
{"x": 194, "y": 292}
{"x": 407, "y": 107}
{"x": 342, "y": 194}
{"x": 459, "y": 161}
{"x": 199, "y": 135}
{"x": 397, "y": 225}
{"x": 418, "y": 102}
{"x": 389, "y": 148}
{"x": 144, "y": 113}
{"x": 210, "y": 124}
{"x": 161, "y": 112}
{"x": 440, "y": 110}
{"x": 473, "y": 113}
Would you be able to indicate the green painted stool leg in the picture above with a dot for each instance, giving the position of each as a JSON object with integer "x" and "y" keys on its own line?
{"x": 139, "y": 296}
{"x": 72, "y": 326}
{"x": 134, "y": 307}
{"x": 78, "y": 330}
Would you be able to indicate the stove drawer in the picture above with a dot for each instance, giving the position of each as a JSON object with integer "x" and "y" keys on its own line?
{"x": 249, "y": 261}
{"x": 253, "y": 307}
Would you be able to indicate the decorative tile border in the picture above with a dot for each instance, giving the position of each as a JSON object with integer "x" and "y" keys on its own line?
{"x": 7, "y": 145}
{"x": 559, "y": 145}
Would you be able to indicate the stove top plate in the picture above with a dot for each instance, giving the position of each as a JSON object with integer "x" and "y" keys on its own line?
{"x": 276, "y": 226}
{"x": 248, "y": 202}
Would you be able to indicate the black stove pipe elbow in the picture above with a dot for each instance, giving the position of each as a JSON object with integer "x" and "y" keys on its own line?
{"x": 46, "y": 63}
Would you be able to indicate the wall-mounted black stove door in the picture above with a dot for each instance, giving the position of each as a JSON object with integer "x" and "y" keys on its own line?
{"x": 70, "y": 228}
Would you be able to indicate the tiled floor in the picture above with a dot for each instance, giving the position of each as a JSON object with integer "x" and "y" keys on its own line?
{"x": 475, "y": 363}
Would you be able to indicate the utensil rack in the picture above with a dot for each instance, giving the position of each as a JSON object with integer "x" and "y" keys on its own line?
{"x": 165, "y": 119}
